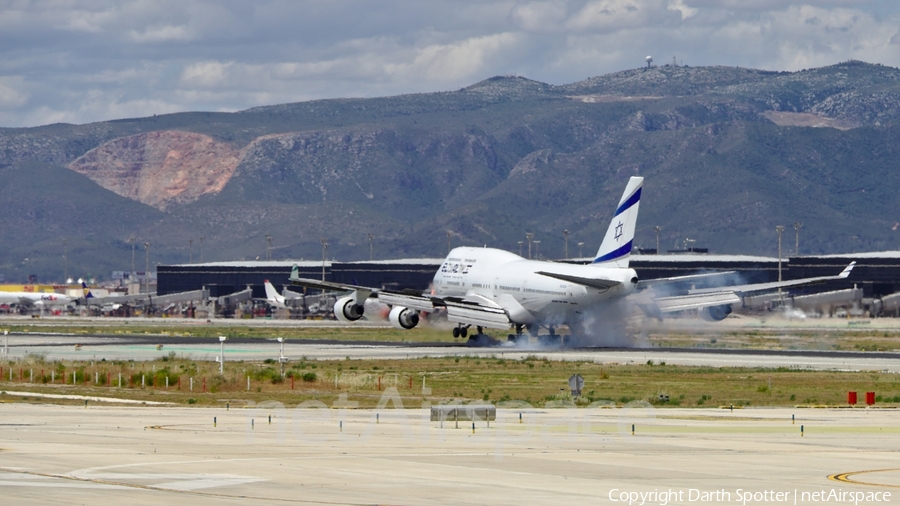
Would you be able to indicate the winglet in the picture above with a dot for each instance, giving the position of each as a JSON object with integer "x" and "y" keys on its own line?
{"x": 616, "y": 246}
{"x": 846, "y": 272}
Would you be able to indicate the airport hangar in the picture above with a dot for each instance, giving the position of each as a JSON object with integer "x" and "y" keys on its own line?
{"x": 876, "y": 276}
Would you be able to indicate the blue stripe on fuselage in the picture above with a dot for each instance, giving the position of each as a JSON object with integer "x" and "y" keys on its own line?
{"x": 632, "y": 200}
{"x": 617, "y": 253}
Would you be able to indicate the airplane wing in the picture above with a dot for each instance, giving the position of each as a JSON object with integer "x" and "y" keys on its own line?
{"x": 328, "y": 285}
{"x": 291, "y": 295}
{"x": 470, "y": 310}
{"x": 726, "y": 295}
{"x": 691, "y": 278}
{"x": 25, "y": 301}
{"x": 600, "y": 284}
{"x": 766, "y": 287}
{"x": 476, "y": 310}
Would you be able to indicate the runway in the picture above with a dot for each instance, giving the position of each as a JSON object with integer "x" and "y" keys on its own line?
{"x": 110, "y": 456}
{"x": 142, "y": 348}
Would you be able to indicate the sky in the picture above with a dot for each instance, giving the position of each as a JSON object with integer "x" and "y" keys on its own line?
{"x": 95, "y": 60}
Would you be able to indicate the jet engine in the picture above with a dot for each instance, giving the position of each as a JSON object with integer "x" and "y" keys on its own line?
{"x": 403, "y": 317}
{"x": 715, "y": 313}
{"x": 347, "y": 310}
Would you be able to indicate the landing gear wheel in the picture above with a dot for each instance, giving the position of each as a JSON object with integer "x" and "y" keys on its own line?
{"x": 455, "y": 332}
{"x": 463, "y": 332}
{"x": 480, "y": 330}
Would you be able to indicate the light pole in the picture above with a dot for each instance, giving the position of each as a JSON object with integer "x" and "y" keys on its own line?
{"x": 448, "y": 242}
{"x": 779, "y": 229}
{"x": 324, "y": 249}
{"x": 566, "y": 239}
{"x": 520, "y": 247}
{"x": 657, "y": 229}
{"x": 190, "y": 251}
{"x": 371, "y": 237}
{"x": 797, "y": 226}
{"x": 201, "y": 250}
{"x": 222, "y": 354}
{"x": 281, "y": 358}
{"x": 6, "y": 344}
{"x": 147, "y": 266}
{"x": 580, "y": 251}
{"x": 529, "y": 236}
{"x": 66, "y": 261}
{"x": 268, "y": 247}
{"x": 537, "y": 253}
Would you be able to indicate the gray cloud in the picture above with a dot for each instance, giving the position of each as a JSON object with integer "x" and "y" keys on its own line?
{"x": 95, "y": 60}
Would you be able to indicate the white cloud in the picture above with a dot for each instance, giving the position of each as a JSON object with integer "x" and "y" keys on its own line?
{"x": 162, "y": 33}
{"x": 464, "y": 59}
{"x": 102, "y": 59}
{"x": 681, "y": 7}
{"x": 12, "y": 93}
{"x": 206, "y": 74}
{"x": 540, "y": 16}
{"x": 619, "y": 15}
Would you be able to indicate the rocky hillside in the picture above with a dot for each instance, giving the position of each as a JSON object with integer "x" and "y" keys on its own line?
{"x": 728, "y": 154}
{"x": 160, "y": 168}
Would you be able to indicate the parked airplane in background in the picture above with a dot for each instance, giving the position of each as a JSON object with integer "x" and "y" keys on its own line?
{"x": 487, "y": 287}
{"x": 39, "y": 299}
{"x": 278, "y": 300}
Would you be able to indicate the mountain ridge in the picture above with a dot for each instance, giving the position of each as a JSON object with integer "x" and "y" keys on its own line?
{"x": 728, "y": 153}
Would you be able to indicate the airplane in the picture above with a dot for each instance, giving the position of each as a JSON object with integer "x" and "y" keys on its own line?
{"x": 278, "y": 300}
{"x": 493, "y": 288}
{"x": 39, "y": 299}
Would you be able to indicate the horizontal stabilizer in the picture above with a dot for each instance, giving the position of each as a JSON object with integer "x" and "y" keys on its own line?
{"x": 600, "y": 284}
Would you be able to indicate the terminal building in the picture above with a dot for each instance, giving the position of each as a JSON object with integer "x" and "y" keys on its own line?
{"x": 223, "y": 278}
{"x": 876, "y": 274}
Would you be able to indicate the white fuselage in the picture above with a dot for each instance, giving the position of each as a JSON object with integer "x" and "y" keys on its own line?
{"x": 36, "y": 298}
{"x": 493, "y": 273}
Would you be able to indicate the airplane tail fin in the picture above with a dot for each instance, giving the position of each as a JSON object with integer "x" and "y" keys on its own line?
{"x": 271, "y": 293}
{"x": 87, "y": 291}
{"x": 616, "y": 247}
{"x": 846, "y": 272}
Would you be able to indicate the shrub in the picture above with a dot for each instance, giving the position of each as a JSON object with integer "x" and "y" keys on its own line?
{"x": 309, "y": 377}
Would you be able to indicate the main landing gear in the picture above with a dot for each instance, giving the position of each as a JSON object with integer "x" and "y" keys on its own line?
{"x": 479, "y": 339}
{"x": 518, "y": 336}
{"x": 463, "y": 331}
{"x": 551, "y": 339}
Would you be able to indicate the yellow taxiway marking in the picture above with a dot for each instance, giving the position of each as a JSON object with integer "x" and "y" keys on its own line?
{"x": 846, "y": 478}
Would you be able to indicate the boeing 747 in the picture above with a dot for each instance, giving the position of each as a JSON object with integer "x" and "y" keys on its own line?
{"x": 493, "y": 288}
